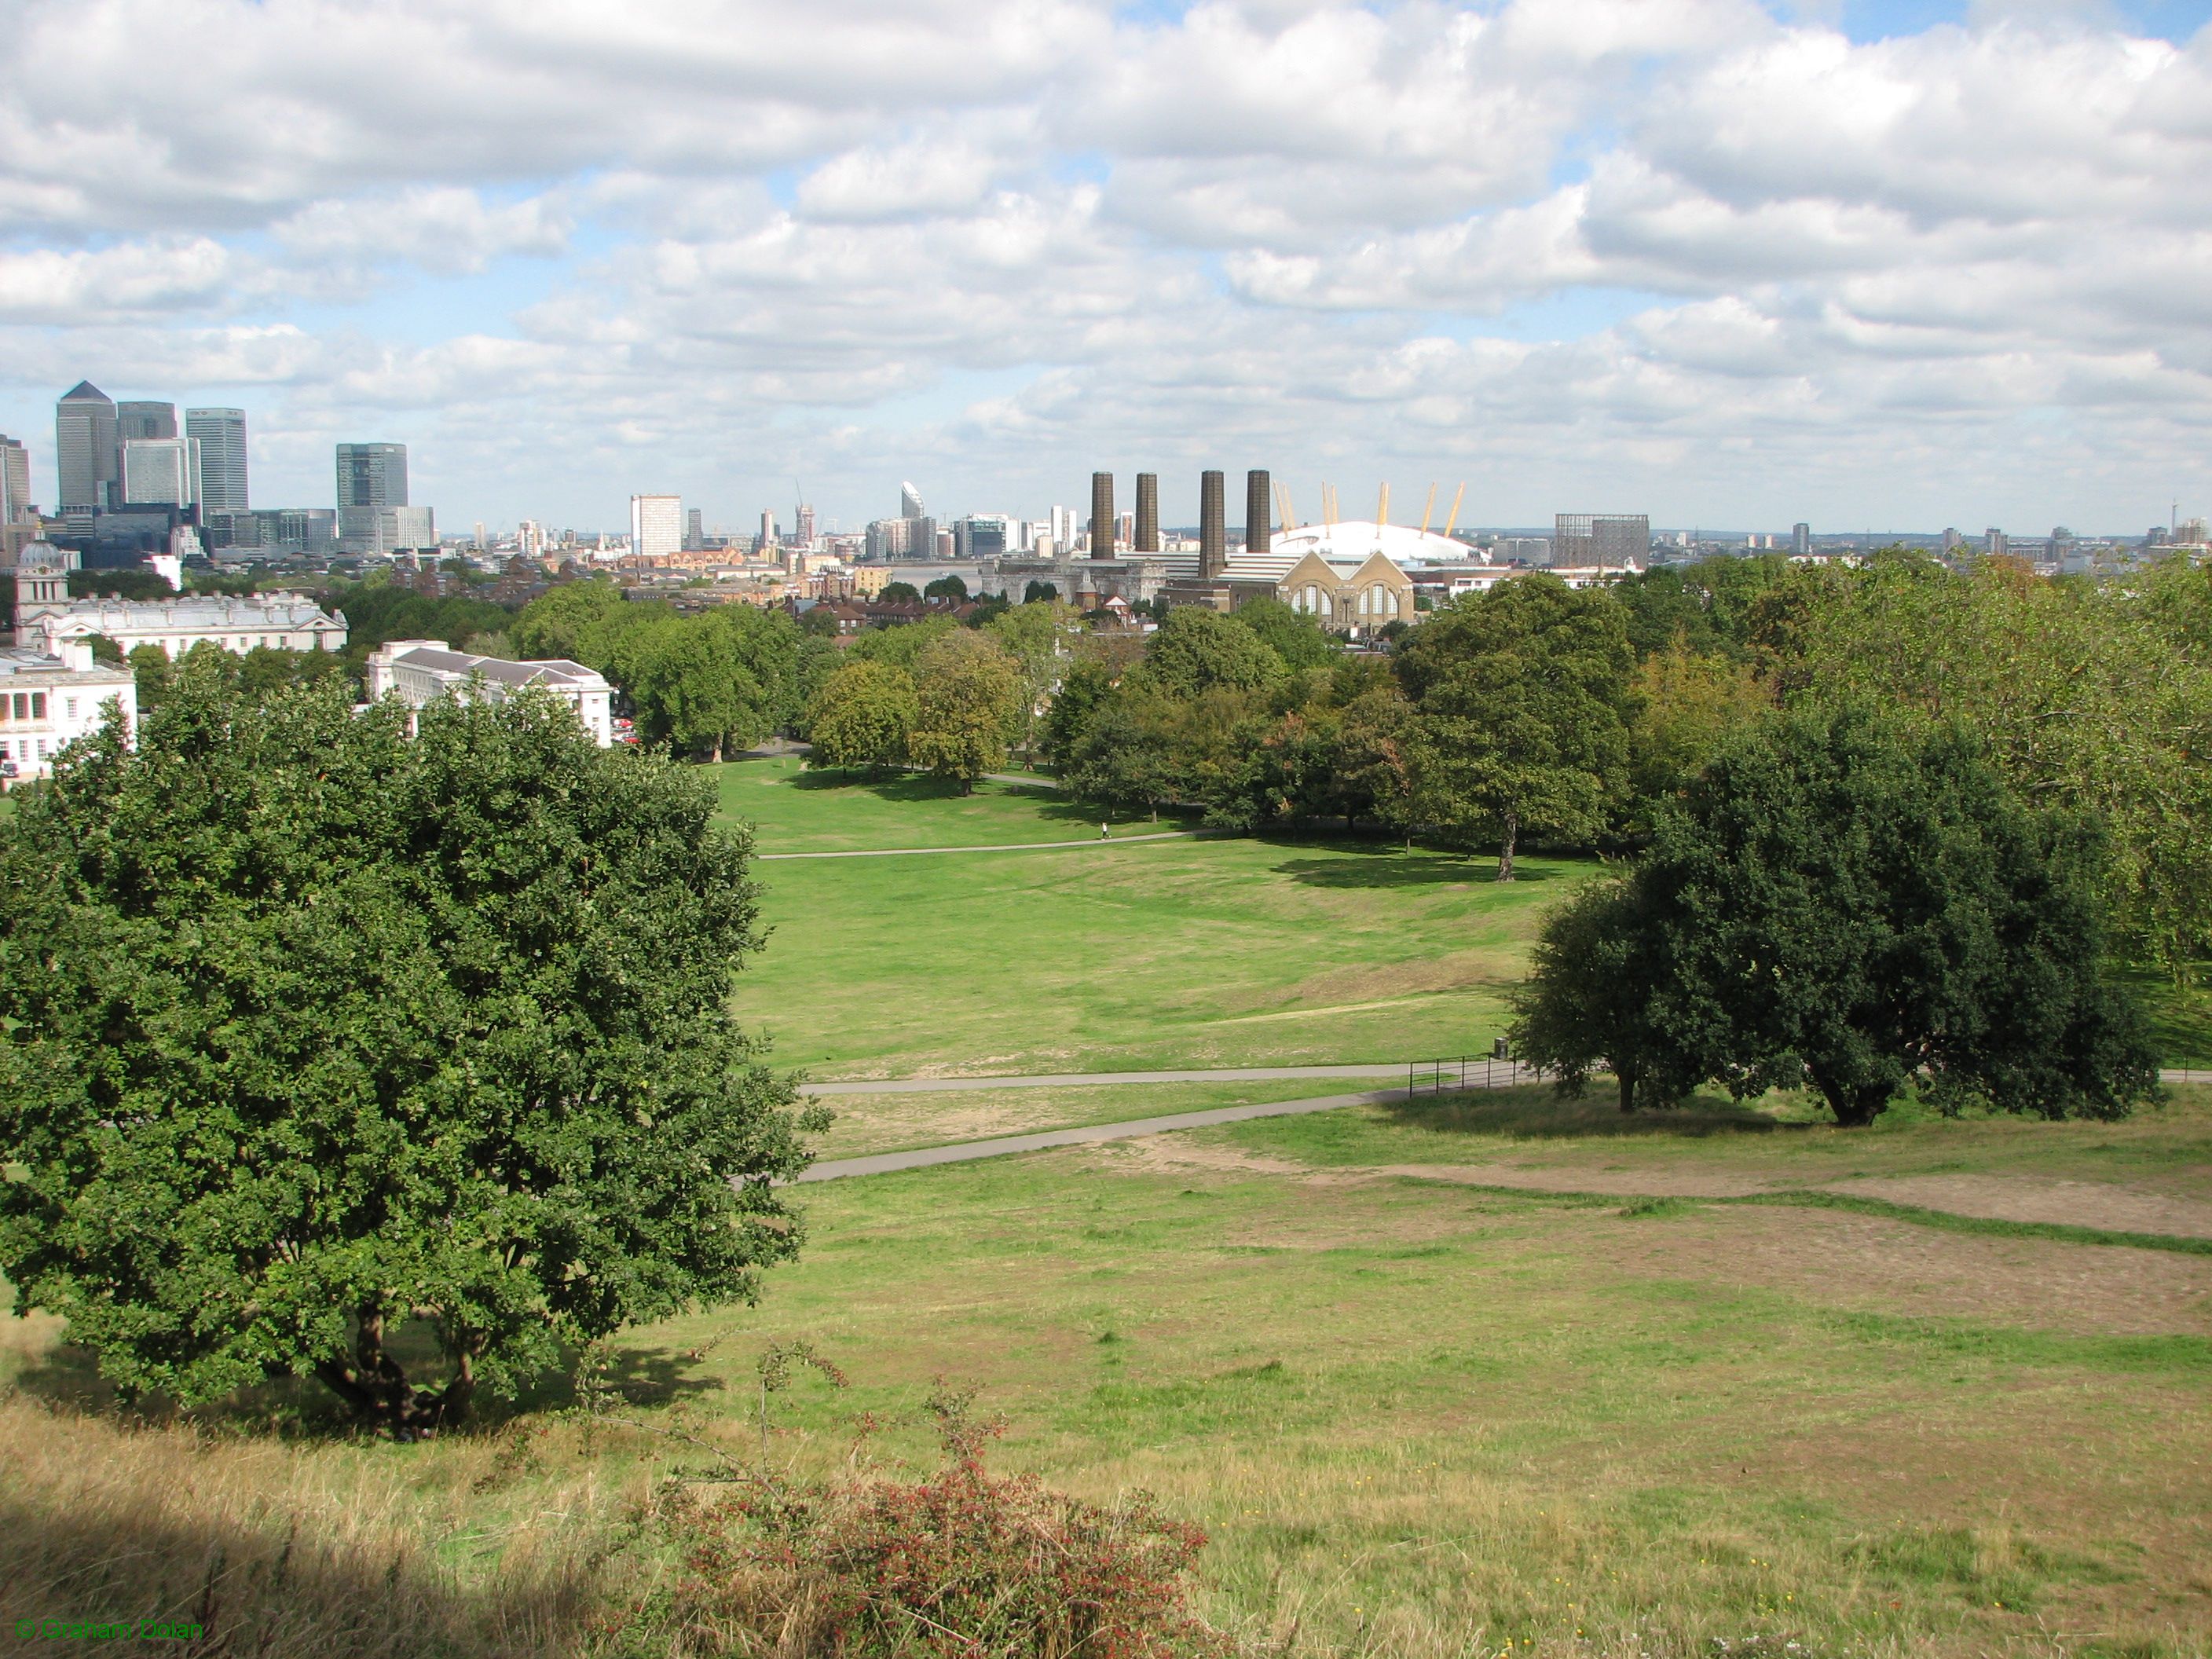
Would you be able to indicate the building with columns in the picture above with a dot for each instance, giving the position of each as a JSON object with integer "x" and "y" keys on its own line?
{"x": 423, "y": 671}
{"x": 47, "y": 617}
{"x": 48, "y": 701}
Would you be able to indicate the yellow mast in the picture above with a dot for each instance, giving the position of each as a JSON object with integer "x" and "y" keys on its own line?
{"x": 1457, "y": 496}
{"x": 1383, "y": 505}
{"x": 1428, "y": 507}
{"x": 1283, "y": 499}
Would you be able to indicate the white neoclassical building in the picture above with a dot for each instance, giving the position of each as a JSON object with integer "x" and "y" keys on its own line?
{"x": 420, "y": 670}
{"x": 47, "y": 617}
{"x": 48, "y": 702}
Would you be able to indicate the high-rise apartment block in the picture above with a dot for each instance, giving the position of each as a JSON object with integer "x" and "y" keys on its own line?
{"x": 1801, "y": 539}
{"x": 805, "y": 532}
{"x": 656, "y": 525}
{"x": 1601, "y": 539}
{"x": 694, "y": 531}
{"x": 910, "y": 505}
{"x": 84, "y": 449}
{"x": 220, "y": 434}
{"x": 161, "y": 472}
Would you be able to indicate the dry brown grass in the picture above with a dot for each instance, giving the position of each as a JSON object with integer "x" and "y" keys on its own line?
{"x": 282, "y": 1547}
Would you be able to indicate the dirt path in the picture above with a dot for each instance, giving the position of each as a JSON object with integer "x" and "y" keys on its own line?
{"x": 2106, "y": 1206}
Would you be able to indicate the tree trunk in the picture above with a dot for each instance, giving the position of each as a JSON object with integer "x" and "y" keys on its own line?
{"x": 1626, "y": 1076}
{"x": 1855, "y": 1108}
{"x": 376, "y": 1387}
{"x": 1505, "y": 846}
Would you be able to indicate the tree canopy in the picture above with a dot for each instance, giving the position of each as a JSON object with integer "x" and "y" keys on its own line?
{"x": 862, "y": 717}
{"x": 971, "y": 705}
{"x": 311, "y": 1028}
{"x": 1847, "y": 900}
{"x": 1522, "y": 697}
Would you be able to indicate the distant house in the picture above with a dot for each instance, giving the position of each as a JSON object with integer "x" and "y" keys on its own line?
{"x": 421, "y": 670}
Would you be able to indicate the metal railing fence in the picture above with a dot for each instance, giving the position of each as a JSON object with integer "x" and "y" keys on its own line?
{"x": 1458, "y": 1073}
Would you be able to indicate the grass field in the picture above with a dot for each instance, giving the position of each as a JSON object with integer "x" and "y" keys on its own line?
{"x": 1205, "y": 953}
{"x": 1495, "y": 1374}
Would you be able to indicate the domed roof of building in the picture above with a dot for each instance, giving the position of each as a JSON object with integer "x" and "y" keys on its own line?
{"x": 1354, "y": 541}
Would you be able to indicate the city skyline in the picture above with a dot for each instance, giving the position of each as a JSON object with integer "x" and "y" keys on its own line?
{"x": 1850, "y": 265}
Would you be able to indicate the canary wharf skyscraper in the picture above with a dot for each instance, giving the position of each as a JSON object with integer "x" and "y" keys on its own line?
{"x": 371, "y": 474}
{"x": 85, "y": 448}
{"x": 220, "y": 434}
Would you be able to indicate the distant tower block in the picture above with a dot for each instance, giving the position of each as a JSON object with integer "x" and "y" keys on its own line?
{"x": 1148, "y": 514}
{"x": 1259, "y": 511}
{"x": 1101, "y": 515}
{"x": 1212, "y": 528}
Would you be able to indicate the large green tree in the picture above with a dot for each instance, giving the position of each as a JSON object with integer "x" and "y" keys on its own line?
{"x": 1521, "y": 694}
{"x": 862, "y": 717}
{"x": 972, "y": 703}
{"x": 2095, "y": 696}
{"x": 690, "y": 687}
{"x": 1197, "y": 649}
{"x": 1848, "y": 900}
{"x": 1587, "y": 1001}
{"x": 311, "y": 1029}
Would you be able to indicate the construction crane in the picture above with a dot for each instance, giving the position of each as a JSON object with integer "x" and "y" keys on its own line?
{"x": 1428, "y": 507}
{"x": 1382, "y": 505}
{"x": 1458, "y": 496}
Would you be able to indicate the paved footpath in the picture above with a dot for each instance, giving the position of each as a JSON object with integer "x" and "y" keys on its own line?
{"x": 922, "y": 1157}
{"x": 1002, "y": 847}
{"x": 917, "y": 1086}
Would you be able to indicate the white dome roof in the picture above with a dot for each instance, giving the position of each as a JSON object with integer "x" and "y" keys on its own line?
{"x": 1354, "y": 541}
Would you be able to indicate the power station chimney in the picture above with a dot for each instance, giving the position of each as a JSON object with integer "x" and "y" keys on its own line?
{"x": 1213, "y": 528}
{"x": 1101, "y": 515}
{"x": 1148, "y": 514}
{"x": 1259, "y": 512}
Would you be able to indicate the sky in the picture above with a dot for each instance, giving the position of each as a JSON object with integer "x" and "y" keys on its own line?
{"x": 1873, "y": 266}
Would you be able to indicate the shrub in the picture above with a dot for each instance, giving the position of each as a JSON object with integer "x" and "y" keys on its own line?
{"x": 962, "y": 1563}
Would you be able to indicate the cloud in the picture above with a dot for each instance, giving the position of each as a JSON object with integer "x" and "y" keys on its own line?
{"x": 1721, "y": 260}
{"x": 442, "y": 229}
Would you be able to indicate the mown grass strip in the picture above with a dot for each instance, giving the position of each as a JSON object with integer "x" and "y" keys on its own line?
{"x": 1951, "y": 1221}
{"x": 1815, "y": 1199}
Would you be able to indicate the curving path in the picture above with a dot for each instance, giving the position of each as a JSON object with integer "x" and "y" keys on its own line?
{"x": 917, "y": 1086}
{"x": 1002, "y": 847}
{"x": 921, "y": 1157}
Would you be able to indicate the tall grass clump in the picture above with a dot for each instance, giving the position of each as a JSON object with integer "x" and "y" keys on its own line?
{"x": 961, "y": 1564}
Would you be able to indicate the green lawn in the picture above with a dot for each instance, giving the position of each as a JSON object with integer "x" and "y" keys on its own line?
{"x": 1209, "y": 953}
{"x": 1489, "y": 1376}
{"x": 795, "y": 810}
{"x": 1421, "y": 1420}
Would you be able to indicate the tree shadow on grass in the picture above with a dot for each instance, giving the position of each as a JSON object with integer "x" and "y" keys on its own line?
{"x": 135, "y": 1540}
{"x": 914, "y": 788}
{"x": 1384, "y": 866}
{"x": 67, "y": 1378}
{"x": 1537, "y": 1112}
